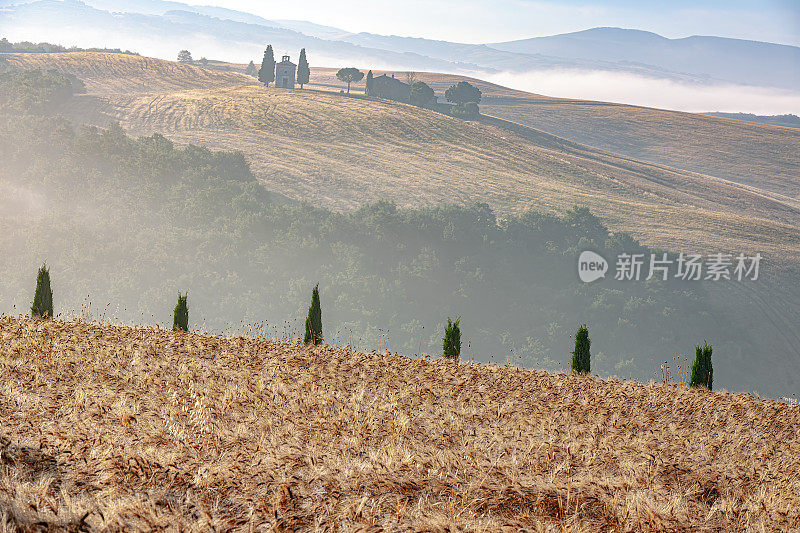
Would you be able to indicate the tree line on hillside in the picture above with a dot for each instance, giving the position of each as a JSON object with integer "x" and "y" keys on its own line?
{"x": 702, "y": 370}
{"x": 48, "y": 48}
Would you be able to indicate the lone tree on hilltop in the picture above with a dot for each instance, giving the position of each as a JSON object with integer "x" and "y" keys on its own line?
{"x": 266, "y": 74}
{"x": 303, "y": 70}
{"x": 350, "y": 75}
{"x": 581, "y": 356}
{"x": 462, "y": 93}
{"x": 180, "y": 320}
{"x": 451, "y": 343}
{"x": 43, "y": 298}
{"x": 184, "y": 56}
{"x": 251, "y": 69}
{"x": 421, "y": 94}
{"x": 702, "y": 369}
{"x": 314, "y": 320}
{"x": 368, "y": 87}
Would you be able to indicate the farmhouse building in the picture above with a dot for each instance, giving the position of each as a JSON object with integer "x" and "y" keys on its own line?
{"x": 390, "y": 88}
{"x": 285, "y": 73}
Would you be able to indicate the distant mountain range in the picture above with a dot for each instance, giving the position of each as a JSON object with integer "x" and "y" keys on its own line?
{"x": 734, "y": 60}
{"x": 787, "y": 121}
{"x": 160, "y": 28}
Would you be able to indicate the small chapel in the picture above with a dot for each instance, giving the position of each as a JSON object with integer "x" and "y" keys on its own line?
{"x": 285, "y": 73}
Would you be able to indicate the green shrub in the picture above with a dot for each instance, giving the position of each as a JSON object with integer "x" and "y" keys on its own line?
{"x": 314, "y": 319}
{"x": 421, "y": 94}
{"x": 471, "y": 109}
{"x": 581, "y": 355}
{"x": 180, "y": 321}
{"x": 702, "y": 369}
{"x": 43, "y": 298}
{"x": 451, "y": 344}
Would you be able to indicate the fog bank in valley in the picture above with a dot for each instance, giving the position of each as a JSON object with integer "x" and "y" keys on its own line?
{"x": 661, "y": 93}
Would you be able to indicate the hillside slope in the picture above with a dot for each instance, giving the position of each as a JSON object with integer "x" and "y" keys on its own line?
{"x": 160, "y": 428}
{"x": 341, "y": 152}
{"x": 758, "y": 155}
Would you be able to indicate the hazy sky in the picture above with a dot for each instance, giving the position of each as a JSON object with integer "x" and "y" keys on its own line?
{"x": 478, "y": 21}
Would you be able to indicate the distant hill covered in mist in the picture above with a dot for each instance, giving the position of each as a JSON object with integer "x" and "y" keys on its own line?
{"x": 787, "y": 121}
{"x": 157, "y": 27}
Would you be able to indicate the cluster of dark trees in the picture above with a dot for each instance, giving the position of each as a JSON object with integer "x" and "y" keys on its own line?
{"x": 36, "y": 91}
{"x": 463, "y": 94}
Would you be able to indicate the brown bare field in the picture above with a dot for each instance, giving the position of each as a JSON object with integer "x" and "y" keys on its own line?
{"x": 342, "y": 152}
{"x": 118, "y": 428}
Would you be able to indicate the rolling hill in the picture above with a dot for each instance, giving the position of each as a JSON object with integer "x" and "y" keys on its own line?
{"x": 752, "y": 154}
{"x": 341, "y": 152}
{"x": 162, "y": 429}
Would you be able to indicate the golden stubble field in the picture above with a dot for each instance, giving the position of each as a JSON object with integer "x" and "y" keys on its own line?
{"x": 116, "y": 428}
{"x": 759, "y": 155}
{"x": 341, "y": 152}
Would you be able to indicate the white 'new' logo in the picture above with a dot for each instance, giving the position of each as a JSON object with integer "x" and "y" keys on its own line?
{"x": 591, "y": 266}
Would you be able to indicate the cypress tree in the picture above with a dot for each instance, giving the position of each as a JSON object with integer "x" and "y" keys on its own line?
{"x": 180, "y": 321}
{"x": 314, "y": 319}
{"x": 43, "y": 298}
{"x": 581, "y": 355}
{"x": 702, "y": 369}
{"x": 303, "y": 70}
{"x": 451, "y": 343}
{"x": 251, "y": 69}
{"x": 368, "y": 89}
{"x": 266, "y": 74}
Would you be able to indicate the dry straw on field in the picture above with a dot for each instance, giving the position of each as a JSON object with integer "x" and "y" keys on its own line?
{"x": 109, "y": 427}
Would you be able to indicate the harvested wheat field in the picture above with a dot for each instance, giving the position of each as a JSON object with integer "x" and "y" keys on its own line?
{"x": 111, "y": 428}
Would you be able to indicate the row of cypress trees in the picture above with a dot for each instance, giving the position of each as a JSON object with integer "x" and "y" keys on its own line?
{"x": 702, "y": 369}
